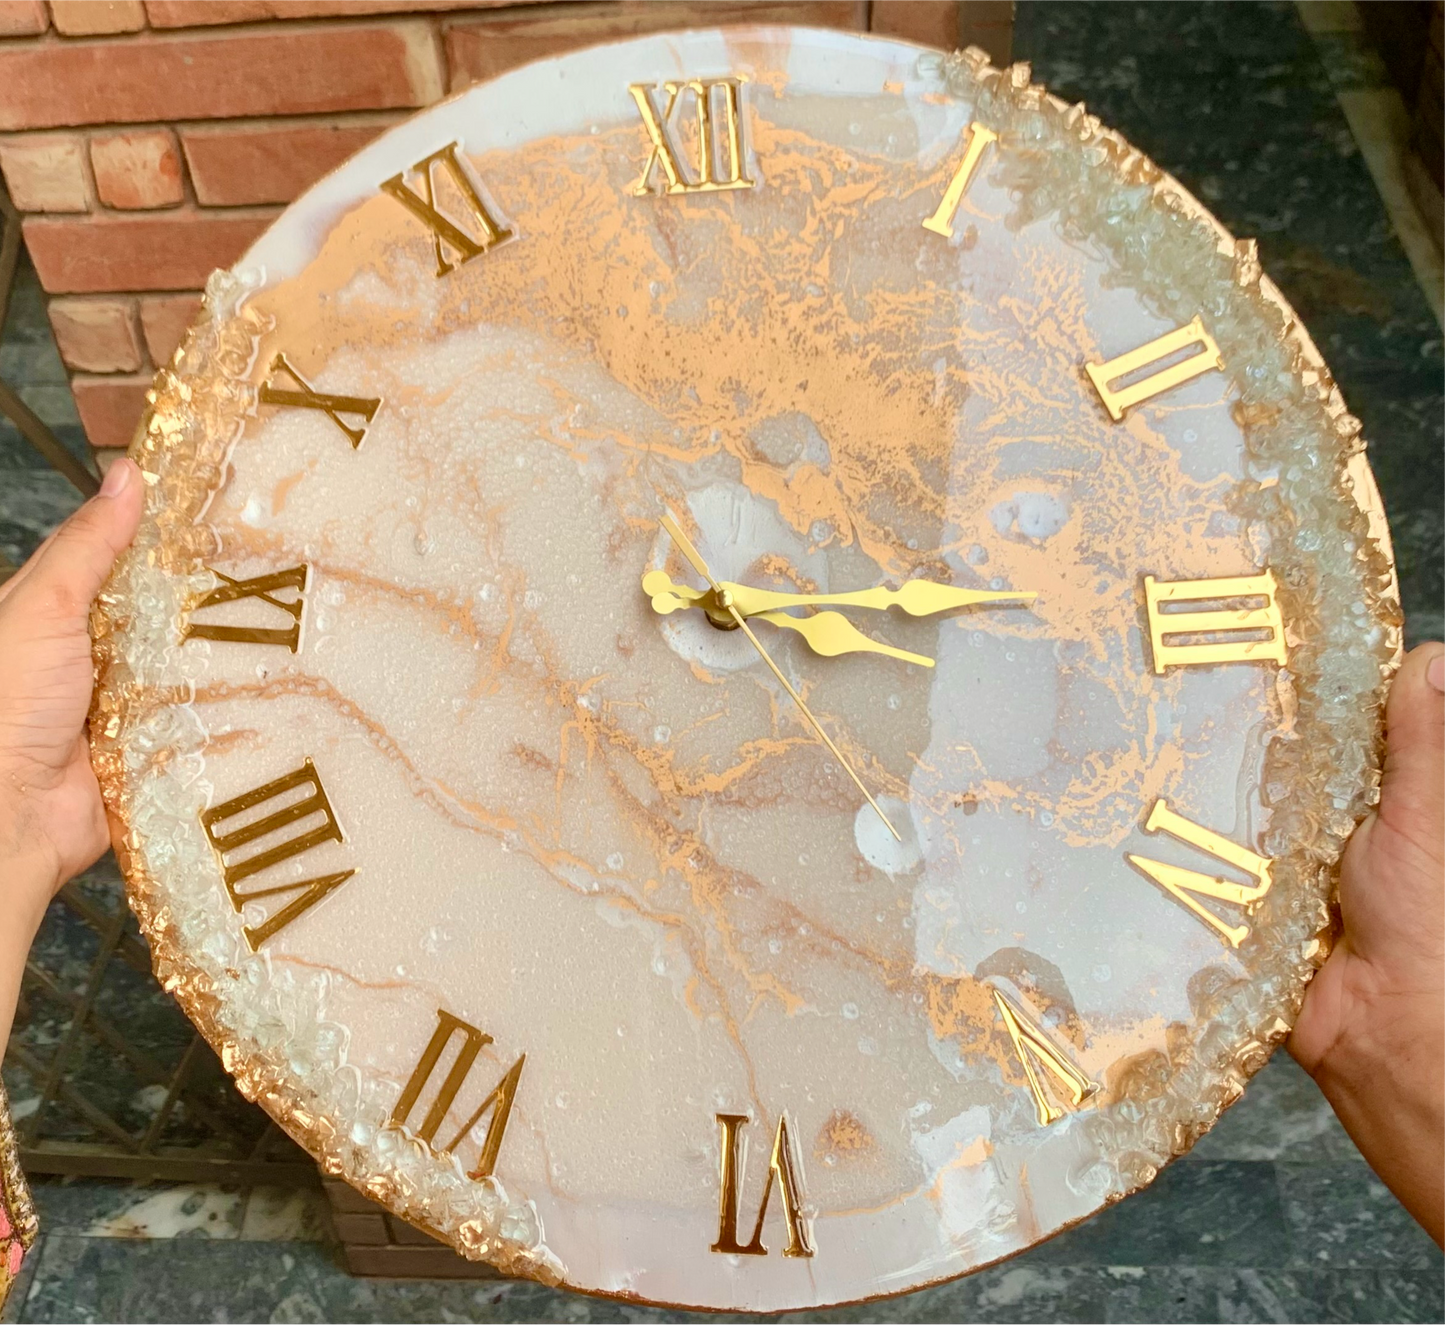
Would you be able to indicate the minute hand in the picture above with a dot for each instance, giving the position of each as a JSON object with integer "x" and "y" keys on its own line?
{"x": 916, "y": 597}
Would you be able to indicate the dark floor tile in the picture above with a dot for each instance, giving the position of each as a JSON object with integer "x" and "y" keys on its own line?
{"x": 1197, "y": 1213}
{"x": 1409, "y": 1295}
{"x": 32, "y": 503}
{"x": 1341, "y": 1215}
{"x": 1179, "y": 1294}
{"x": 14, "y": 1304}
{"x": 1282, "y": 1115}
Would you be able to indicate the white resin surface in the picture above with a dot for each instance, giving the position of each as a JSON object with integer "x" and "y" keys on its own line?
{"x": 605, "y": 837}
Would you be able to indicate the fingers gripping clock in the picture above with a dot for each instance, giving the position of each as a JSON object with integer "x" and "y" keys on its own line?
{"x": 935, "y": 903}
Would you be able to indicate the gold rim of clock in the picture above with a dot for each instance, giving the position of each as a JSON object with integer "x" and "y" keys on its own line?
{"x": 115, "y": 700}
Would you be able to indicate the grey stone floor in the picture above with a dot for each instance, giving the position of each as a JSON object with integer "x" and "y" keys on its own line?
{"x": 1274, "y": 1216}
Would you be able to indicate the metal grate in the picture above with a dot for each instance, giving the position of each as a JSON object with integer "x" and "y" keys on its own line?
{"x": 107, "y": 1077}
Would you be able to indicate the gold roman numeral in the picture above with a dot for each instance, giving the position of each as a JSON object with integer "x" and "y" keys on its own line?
{"x": 332, "y": 406}
{"x": 941, "y": 222}
{"x": 264, "y": 588}
{"x": 1035, "y": 1050}
{"x": 1252, "y": 634}
{"x": 1104, "y": 375}
{"x": 1188, "y": 885}
{"x": 491, "y": 230}
{"x": 721, "y": 141}
{"x": 782, "y": 1168}
{"x": 499, "y": 1101}
{"x": 290, "y": 814}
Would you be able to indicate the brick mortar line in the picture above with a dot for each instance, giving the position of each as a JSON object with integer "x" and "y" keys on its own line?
{"x": 393, "y": 115}
{"x": 437, "y": 18}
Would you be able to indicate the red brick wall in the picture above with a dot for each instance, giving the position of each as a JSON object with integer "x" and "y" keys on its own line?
{"x": 150, "y": 141}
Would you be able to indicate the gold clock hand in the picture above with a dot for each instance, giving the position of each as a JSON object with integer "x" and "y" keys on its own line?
{"x": 669, "y": 597}
{"x": 694, "y": 558}
{"x": 831, "y": 634}
{"x": 916, "y": 597}
{"x": 827, "y": 633}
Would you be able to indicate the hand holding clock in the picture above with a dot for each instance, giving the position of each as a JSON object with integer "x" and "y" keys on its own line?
{"x": 1373, "y": 1019}
{"x": 52, "y": 821}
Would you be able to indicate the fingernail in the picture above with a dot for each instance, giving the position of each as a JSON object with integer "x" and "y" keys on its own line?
{"x": 1435, "y": 673}
{"x": 116, "y": 478}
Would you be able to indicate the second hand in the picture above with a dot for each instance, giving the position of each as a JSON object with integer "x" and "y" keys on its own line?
{"x": 724, "y": 599}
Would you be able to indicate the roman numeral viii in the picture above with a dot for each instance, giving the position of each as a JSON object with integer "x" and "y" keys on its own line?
{"x": 1036, "y": 1051}
{"x": 285, "y": 821}
{"x": 721, "y": 141}
{"x": 1187, "y": 886}
{"x": 1183, "y": 634}
{"x": 263, "y": 588}
{"x": 334, "y": 407}
{"x": 499, "y": 1100}
{"x": 781, "y": 1167}
{"x": 1109, "y": 378}
{"x": 447, "y": 233}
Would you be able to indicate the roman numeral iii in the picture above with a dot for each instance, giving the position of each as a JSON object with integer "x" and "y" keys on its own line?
{"x": 721, "y": 136}
{"x": 782, "y": 1168}
{"x": 1187, "y": 886}
{"x": 289, "y": 814}
{"x": 941, "y": 222}
{"x": 1035, "y": 1050}
{"x": 447, "y": 233}
{"x": 263, "y": 588}
{"x": 1105, "y": 375}
{"x": 333, "y": 407}
{"x": 1185, "y": 636}
{"x": 499, "y": 1100}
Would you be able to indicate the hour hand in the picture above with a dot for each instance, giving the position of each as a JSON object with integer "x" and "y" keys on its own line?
{"x": 669, "y": 597}
{"x": 831, "y": 634}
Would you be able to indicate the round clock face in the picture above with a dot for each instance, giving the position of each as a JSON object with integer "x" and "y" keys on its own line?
{"x": 748, "y": 656}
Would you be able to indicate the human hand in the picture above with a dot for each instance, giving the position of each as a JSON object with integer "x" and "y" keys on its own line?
{"x": 52, "y": 820}
{"x": 1373, "y": 1021}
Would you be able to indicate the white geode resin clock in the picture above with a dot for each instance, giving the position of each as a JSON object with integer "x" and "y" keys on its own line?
{"x": 939, "y": 840}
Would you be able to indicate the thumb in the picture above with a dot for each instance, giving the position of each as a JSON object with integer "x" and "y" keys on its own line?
{"x": 1412, "y": 799}
{"x": 77, "y": 560}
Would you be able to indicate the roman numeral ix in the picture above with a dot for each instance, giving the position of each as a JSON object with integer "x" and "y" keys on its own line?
{"x": 781, "y": 1167}
{"x": 1187, "y": 886}
{"x": 289, "y": 814}
{"x": 721, "y": 160}
{"x": 447, "y": 234}
{"x": 332, "y": 406}
{"x": 499, "y": 1100}
{"x": 263, "y": 588}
